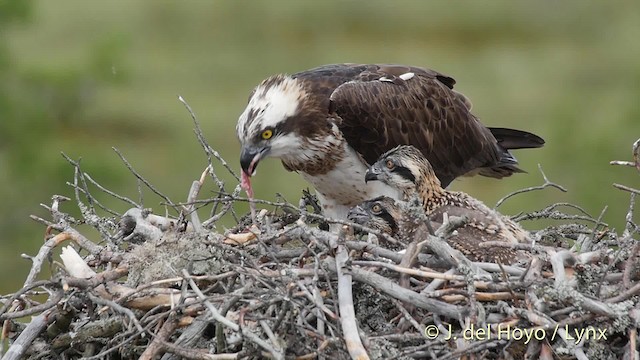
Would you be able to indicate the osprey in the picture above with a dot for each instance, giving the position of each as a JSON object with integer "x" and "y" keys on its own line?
{"x": 331, "y": 122}
{"x": 406, "y": 169}
{"x": 392, "y": 217}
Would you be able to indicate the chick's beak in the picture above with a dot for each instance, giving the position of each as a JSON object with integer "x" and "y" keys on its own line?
{"x": 358, "y": 215}
{"x": 251, "y": 156}
{"x": 371, "y": 175}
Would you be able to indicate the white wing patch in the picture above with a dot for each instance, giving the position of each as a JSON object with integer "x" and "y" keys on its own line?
{"x": 407, "y": 76}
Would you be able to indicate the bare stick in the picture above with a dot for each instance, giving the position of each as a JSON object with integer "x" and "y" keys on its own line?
{"x": 142, "y": 179}
{"x": 28, "y": 335}
{"x": 635, "y": 152}
{"x": 193, "y": 194}
{"x": 276, "y": 353}
{"x": 53, "y": 300}
{"x": 118, "y": 308}
{"x": 105, "y": 190}
{"x": 546, "y": 184}
{"x": 550, "y": 213}
{"x": 634, "y": 290}
{"x": 631, "y": 352}
{"x": 396, "y": 291}
{"x": 212, "y": 152}
{"x": 623, "y": 163}
{"x": 98, "y": 203}
{"x": 410, "y": 271}
{"x": 630, "y": 226}
{"x": 408, "y": 317}
{"x": 43, "y": 253}
{"x": 157, "y": 345}
{"x": 206, "y": 146}
{"x": 626, "y": 188}
{"x": 196, "y": 354}
{"x": 443, "y": 250}
{"x": 347, "y": 311}
{"x": 317, "y": 301}
{"x": 76, "y": 169}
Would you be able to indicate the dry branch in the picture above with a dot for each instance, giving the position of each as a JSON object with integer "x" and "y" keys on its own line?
{"x": 170, "y": 286}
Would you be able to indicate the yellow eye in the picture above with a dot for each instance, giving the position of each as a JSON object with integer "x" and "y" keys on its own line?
{"x": 390, "y": 164}
{"x": 267, "y": 134}
{"x": 376, "y": 208}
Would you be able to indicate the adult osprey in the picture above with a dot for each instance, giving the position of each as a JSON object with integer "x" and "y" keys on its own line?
{"x": 330, "y": 122}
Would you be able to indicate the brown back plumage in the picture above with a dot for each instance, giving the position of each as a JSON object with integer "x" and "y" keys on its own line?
{"x": 379, "y": 107}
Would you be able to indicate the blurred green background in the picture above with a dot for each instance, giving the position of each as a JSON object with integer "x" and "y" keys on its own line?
{"x": 81, "y": 77}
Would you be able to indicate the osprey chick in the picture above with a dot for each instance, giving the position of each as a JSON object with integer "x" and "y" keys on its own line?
{"x": 406, "y": 169}
{"x": 391, "y": 216}
{"x": 331, "y": 122}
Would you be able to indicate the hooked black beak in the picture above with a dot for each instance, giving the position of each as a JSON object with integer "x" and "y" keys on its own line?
{"x": 251, "y": 156}
{"x": 370, "y": 175}
{"x": 358, "y": 215}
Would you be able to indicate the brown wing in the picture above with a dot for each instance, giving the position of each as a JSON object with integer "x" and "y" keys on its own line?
{"x": 324, "y": 79}
{"x": 379, "y": 110}
{"x": 474, "y": 215}
{"x": 479, "y": 229}
{"x": 468, "y": 239}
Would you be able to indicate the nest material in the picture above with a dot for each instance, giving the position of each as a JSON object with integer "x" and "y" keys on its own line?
{"x": 160, "y": 287}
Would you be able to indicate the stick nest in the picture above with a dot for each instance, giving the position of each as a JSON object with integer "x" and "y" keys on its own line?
{"x": 277, "y": 286}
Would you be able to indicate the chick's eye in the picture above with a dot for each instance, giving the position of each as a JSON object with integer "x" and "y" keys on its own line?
{"x": 267, "y": 134}
{"x": 390, "y": 164}
{"x": 376, "y": 208}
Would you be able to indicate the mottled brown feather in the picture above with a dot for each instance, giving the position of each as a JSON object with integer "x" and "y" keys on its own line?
{"x": 395, "y": 220}
{"x": 423, "y": 111}
{"x": 412, "y": 174}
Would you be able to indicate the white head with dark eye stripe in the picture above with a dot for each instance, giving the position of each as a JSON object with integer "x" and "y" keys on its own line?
{"x": 260, "y": 126}
{"x": 404, "y": 168}
{"x": 282, "y": 120}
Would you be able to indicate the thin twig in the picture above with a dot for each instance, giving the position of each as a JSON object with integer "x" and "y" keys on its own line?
{"x": 623, "y": 163}
{"x": 118, "y": 308}
{"x": 626, "y": 188}
{"x": 143, "y": 180}
{"x": 546, "y": 184}
{"x": 215, "y": 314}
{"x": 109, "y": 192}
{"x": 204, "y": 143}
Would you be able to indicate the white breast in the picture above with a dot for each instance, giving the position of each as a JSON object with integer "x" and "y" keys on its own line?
{"x": 344, "y": 187}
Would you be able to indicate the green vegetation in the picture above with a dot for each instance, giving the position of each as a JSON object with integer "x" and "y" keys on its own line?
{"x": 81, "y": 77}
